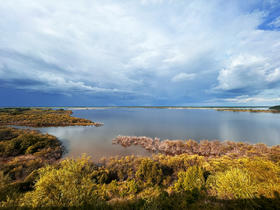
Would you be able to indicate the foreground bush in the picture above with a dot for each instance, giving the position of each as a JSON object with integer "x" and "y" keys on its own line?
{"x": 69, "y": 185}
{"x": 234, "y": 183}
{"x": 190, "y": 180}
{"x": 149, "y": 172}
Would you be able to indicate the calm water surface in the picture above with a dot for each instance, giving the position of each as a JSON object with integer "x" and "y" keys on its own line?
{"x": 197, "y": 124}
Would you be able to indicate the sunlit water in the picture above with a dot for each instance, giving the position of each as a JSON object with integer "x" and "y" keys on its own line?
{"x": 197, "y": 124}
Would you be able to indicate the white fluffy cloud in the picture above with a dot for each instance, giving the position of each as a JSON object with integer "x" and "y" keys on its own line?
{"x": 247, "y": 71}
{"x": 253, "y": 66}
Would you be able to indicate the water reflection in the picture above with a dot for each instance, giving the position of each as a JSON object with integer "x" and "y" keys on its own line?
{"x": 164, "y": 123}
{"x": 92, "y": 141}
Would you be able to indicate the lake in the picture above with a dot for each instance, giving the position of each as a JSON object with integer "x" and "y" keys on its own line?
{"x": 197, "y": 124}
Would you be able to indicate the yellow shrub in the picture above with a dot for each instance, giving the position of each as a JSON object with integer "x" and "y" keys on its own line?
{"x": 149, "y": 172}
{"x": 190, "y": 180}
{"x": 69, "y": 185}
{"x": 234, "y": 183}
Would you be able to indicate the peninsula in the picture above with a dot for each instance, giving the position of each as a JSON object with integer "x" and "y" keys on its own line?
{"x": 41, "y": 118}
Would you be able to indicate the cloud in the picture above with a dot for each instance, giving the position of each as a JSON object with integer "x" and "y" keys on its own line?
{"x": 248, "y": 72}
{"x": 273, "y": 76}
{"x": 243, "y": 71}
{"x": 182, "y": 77}
{"x": 130, "y": 48}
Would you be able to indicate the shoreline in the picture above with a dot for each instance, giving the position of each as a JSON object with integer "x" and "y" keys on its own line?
{"x": 165, "y": 107}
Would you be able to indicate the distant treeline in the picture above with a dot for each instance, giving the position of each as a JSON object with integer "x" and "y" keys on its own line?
{"x": 275, "y": 107}
{"x": 251, "y": 110}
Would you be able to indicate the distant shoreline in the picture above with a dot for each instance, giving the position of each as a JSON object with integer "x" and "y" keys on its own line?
{"x": 145, "y": 107}
{"x": 251, "y": 110}
{"x": 237, "y": 109}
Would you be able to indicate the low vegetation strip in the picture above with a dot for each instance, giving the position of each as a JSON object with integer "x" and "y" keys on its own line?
{"x": 273, "y": 109}
{"x": 251, "y": 110}
{"x": 203, "y": 148}
{"x": 41, "y": 118}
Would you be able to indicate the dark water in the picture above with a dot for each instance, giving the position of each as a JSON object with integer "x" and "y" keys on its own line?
{"x": 194, "y": 124}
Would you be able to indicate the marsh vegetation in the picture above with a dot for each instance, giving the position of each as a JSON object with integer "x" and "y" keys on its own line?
{"x": 40, "y": 117}
{"x": 204, "y": 148}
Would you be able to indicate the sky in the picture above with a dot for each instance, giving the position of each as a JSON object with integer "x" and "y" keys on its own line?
{"x": 139, "y": 52}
